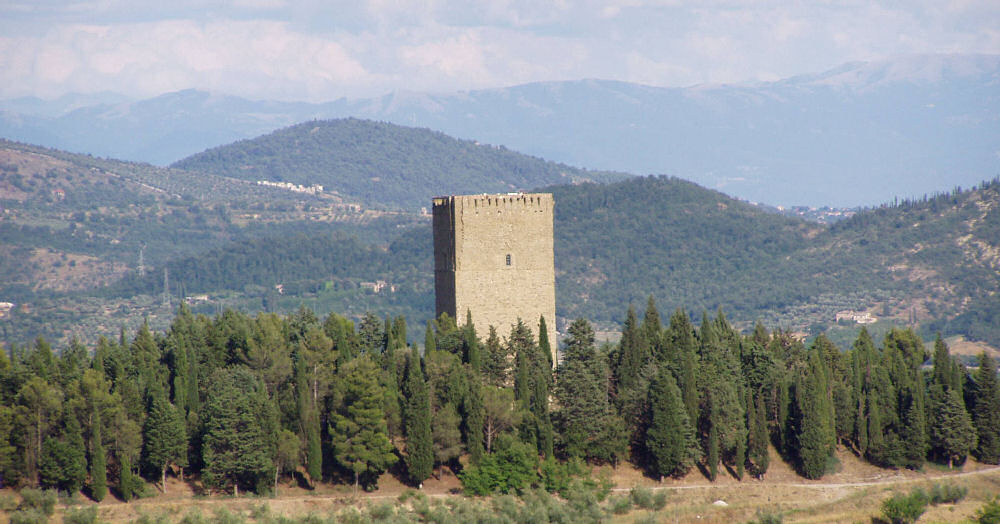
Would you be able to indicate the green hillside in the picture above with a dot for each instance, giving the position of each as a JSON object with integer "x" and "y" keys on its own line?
{"x": 75, "y": 228}
{"x": 384, "y": 165}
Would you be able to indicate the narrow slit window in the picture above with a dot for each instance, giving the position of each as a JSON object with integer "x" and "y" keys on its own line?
{"x": 508, "y": 259}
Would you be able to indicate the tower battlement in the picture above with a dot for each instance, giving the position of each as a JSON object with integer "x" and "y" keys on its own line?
{"x": 493, "y": 256}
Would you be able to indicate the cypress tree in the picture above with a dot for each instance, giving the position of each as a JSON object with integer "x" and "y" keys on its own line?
{"x": 986, "y": 412}
{"x": 430, "y": 344}
{"x": 475, "y": 420}
{"x": 758, "y": 457}
{"x": 815, "y": 432}
{"x": 670, "y": 438}
{"x": 472, "y": 354}
{"x": 632, "y": 353}
{"x": 652, "y": 329}
{"x": 543, "y": 341}
{"x": 98, "y": 461}
{"x": 419, "y": 441}
{"x": 309, "y": 424}
{"x": 713, "y": 451}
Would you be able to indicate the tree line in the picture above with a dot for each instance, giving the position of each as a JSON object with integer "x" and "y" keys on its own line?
{"x": 243, "y": 402}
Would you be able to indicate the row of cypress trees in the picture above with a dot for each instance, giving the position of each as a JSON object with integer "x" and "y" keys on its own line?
{"x": 243, "y": 401}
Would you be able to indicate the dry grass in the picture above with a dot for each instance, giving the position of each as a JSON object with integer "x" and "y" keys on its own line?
{"x": 852, "y": 494}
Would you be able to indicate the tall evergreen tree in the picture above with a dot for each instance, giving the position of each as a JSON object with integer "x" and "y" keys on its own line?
{"x": 952, "y": 432}
{"x": 584, "y": 421}
{"x": 164, "y": 438}
{"x": 98, "y": 460}
{"x": 496, "y": 361}
{"x": 543, "y": 342}
{"x": 815, "y": 434}
{"x": 757, "y": 453}
{"x": 532, "y": 377}
{"x": 682, "y": 359}
{"x": 475, "y": 420}
{"x": 417, "y": 416}
{"x": 361, "y": 442}
{"x": 632, "y": 355}
{"x": 239, "y": 435}
{"x": 986, "y": 411}
{"x": 670, "y": 438}
{"x": 430, "y": 344}
{"x": 472, "y": 353}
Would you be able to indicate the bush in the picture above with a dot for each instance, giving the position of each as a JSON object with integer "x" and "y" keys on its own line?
{"x": 29, "y": 516}
{"x": 642, "y": 497}
{"x": 766, "y": 517}
{"x": 947, "y": 493}
{"x": 8, "y": 502}
{"x": 905, "y": 509}
{"x": 620, "y": 505}
{"x": 989, "y": 513}
{"x": 511, "y": 469}
{"x": 44, "y": 501}
{"x": 86, "y": 515}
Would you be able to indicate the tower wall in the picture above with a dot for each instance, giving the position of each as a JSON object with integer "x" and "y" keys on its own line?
{"x": 493, "y": 256}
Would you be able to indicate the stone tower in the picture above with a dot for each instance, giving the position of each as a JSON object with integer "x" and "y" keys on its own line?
{"x": 493, "y": 256}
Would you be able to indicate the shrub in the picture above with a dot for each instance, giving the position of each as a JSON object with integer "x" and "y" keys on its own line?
{"x": 511, "y": 469}
{"x": 619, "y": 505}
{"x": 989, "y": 513}
{"x": 194, "y": 516}
{"x": 766, "y": 517}
{"x": 42, "y": 500}
{"x": 86, "y": 515}
{"x": 905, "y": 509}
{"x": 29, "y": 516}
{"x": 947, "y": 493}
{"x": 8, "y": 502}
{"x": 381, "y": 512}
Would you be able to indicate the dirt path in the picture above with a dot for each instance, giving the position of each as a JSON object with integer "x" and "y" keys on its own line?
{"x": 896, "y": 479}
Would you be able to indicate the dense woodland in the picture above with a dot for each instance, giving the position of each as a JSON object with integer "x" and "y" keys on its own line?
{"x": 242, "y": 402}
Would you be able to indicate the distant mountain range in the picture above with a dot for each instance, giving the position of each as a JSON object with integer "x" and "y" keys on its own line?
{"x": 859, "y": 134}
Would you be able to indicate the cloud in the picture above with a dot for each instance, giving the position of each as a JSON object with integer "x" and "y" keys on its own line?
{"x": 320, "y": 50}
{"x": 151, "y": 58}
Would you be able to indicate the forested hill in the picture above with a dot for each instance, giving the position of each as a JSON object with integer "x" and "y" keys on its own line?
{"x": 384, "y": 165}
{"x": 929, "y": 263}
{"x": 918, "y": 261}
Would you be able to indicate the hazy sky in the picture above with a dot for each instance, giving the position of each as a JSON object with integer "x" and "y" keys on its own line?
{"x": 321, "y": 49}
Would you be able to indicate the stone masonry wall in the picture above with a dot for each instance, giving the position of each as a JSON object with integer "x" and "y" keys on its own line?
{"x": 493, "y": 256}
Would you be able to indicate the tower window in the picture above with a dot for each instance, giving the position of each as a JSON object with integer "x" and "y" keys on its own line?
{"x": 508, "y": 259}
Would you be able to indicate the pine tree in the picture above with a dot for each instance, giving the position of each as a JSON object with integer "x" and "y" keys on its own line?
{"x": 164, "y": 438}
{"x": 496, "y": 361}
{"x": 237, "y": 447}
{"x": 446, "y": 435}
{"x": 417, "y": 416}
{"x": 670, "y": 438}
{"x": 361, "y": 442}
{"x": 581, "y": 393}
{"x": 952, "y": 432}
{"x": 986, "y": 413}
